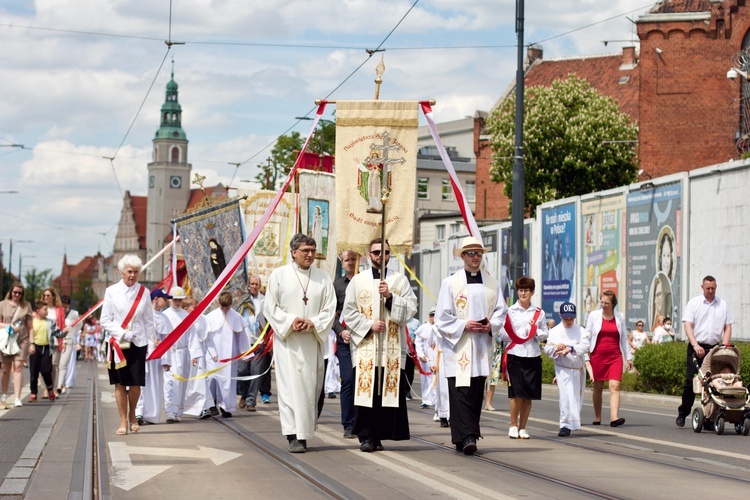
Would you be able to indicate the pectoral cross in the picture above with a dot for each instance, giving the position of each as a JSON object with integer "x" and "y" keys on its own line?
{"x": 304, "y": 299}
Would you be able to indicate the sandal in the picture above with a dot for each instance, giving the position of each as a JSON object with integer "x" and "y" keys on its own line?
{"x": 121, "y": 431}
{"x": 134, "y": 428}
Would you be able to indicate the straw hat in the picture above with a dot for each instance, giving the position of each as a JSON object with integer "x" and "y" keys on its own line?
{"x": 469, "y": 244}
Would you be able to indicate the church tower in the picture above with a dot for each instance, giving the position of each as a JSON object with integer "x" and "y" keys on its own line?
{"x": 168, "y": 179}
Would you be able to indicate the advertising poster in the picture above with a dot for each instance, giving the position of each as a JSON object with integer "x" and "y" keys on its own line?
{"x": 654, "y": 239}
{"x": 558, "y": 260}
{"x": 603, "y": 240}
{"x": 506, "y": 280}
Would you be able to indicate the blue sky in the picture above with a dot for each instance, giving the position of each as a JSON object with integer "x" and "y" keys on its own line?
{"x": 76, "y": 72}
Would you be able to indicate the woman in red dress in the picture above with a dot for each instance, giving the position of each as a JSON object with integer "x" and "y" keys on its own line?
{"x": 609, "y": 343}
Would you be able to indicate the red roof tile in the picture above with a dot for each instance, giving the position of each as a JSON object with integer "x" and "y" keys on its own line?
{"x": 674, "y": 6}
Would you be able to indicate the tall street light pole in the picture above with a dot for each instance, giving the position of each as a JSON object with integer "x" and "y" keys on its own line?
{"x": 10, "y": 255}
{"x": 519, "y": 181}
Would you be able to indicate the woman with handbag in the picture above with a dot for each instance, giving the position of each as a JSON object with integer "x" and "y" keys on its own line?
{"x": 128, "y": 317}
{"x": 15, "y": 313}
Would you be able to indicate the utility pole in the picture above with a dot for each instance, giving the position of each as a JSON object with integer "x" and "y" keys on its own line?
{"x": 519, "y": 181}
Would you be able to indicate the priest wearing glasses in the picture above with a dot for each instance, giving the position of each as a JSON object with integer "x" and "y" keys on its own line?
{"x": 379, "y": 302}
{"x": 300, "y": 306}
{"x": 470, "y": 311}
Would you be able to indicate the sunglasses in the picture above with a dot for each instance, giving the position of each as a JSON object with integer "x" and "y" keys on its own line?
{"x": 17, "y": 293}
{"x": 473, "y": 254}
{"x": 377, "y": 252}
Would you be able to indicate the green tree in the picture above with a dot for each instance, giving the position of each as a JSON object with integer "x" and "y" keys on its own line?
{"x": 35, "y": 282}
{"x": 281, "y": 160}
{"x": 83, "y": 295}
{"x": 568, "y": 148}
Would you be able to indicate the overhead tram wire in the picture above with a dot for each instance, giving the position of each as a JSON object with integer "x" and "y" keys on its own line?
{"x": 369, "y": 55}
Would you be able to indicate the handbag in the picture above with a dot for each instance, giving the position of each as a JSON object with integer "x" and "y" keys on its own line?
{"x": 9, "y": 340}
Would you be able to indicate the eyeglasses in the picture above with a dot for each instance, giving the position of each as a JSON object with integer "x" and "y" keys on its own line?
{"x": 306, "y": 250}
{"x": 639, "y": 324}
{"x": 17, "y": 293}
{"x": 377, "y": 252}
{"x": 473, "y": 254}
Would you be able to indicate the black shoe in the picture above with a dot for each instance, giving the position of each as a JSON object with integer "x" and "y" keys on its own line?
{"x": 680, "y": 421}
{"x": 564, "y": 432}
{"x": 224, "y": 413}
{"x": 424, "y": 405}
{"x": 459, "y": 447}
{"x": 205, "y": 414}
{"x": 366, "y": 446}
{"x": 348, "y": 434}
{"x": 139, "y": 420}
{"x": 469, "y": 446}
{"x": 617, "y": 423}
{"x": 444, "y": 422}
{"x": 597, "y": 422}
{"x": 331, "y": 395}
{"x": 379, "y": 446}
{"x": 296, "y": 447}
{"x": 214, "y": 411}
{"x": 303, "y": 442}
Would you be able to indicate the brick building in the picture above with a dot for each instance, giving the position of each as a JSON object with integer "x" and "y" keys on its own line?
{"x": 675, "y": 87}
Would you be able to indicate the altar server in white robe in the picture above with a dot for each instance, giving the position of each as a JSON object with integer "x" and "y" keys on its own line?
{"x": 300, "y": 306}
{"x": 442, "y": 399}
{"x": 148, "y": 409}
{"x": 568, "y": 345}
{"x": 179, "y": 359}
{"x": 470, "y": 310}
{"x": 424, "y": 344}
{"x": 227, "y": 338}
{"x": 197, "y": 396}
{"x": 380, "y": 387}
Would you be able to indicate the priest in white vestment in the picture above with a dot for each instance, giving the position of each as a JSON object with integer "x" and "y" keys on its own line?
{"x": 378, "y": 331}
{"x": 568, "y": 345}
{"x": 227, "y": 338}
{"x": 148, "y": 409}
{"x": 300, "y": 306}
{"x": 470, "y": 311}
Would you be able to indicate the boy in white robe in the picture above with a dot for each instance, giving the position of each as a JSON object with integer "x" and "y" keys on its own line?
{"x": 197, "y": 400}
{"x": 179, "y": 359}
{"x": 568, "y": 345}
{"x": 227, "y": 338}
{"x": 426, "y": 354}
{"x": 300, "y": 306}
{"x": 148, "y": 409}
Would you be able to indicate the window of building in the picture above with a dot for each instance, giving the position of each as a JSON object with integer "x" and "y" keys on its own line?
{"x": 422, "y": 192}
{"x": 447, "y": 190}
{"x": 471, "y": 190}
{"x": 440, "y": 231}
{"x": 455, "y": 227}
{"x": 175, "y": 155}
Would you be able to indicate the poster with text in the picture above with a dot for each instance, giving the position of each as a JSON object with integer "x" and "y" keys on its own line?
{"x": 558, "y": 261}
{"x": 654, "y": 240}
{"x": 603, "y": 240}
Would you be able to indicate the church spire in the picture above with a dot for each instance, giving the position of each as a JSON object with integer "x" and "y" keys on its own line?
{"x": 171, "y": 114}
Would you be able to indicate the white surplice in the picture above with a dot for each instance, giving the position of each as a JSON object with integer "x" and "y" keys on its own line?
{"x": 179, "y": 360}
{"x": 442, "y": 403}
{"x": 299, "y": 355}
{"x": 197, "y": 394}
{"x": 151, "y": 399}
{"x": 570, "y": 371}
{"x": 425, "y": 346}
{"x": 227, "y": 337}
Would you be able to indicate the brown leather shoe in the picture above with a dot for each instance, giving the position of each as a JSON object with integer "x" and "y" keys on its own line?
{"x": 250, "y": 408}
{"x": 242, "y": 403}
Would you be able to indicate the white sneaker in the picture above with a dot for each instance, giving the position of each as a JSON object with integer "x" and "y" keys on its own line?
{"x": 18, "y": 402}
{"x": 523, "y": 434}
{"x": 435, "y": 418}
{"x": 178, "y": 418}
{"x": 171, "y": 417}
{"x": 5, "y": 398}
{"x": 513, "y": 432}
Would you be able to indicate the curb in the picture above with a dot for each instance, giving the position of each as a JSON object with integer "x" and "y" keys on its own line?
{"x": 640, "y": 398}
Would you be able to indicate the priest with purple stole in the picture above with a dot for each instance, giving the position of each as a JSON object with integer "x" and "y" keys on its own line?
{"x": 379, "y": 335}
{"x": 470, "y": 311}
{"x": 300, "y": 306}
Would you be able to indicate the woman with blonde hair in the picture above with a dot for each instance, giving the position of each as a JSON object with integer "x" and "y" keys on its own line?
{"x": 16, "y": 313}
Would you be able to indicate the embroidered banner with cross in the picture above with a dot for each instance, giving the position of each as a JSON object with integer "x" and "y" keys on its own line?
{"x": 375, "y": 139}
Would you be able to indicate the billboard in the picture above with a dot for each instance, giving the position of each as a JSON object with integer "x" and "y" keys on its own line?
{"x": 558, "y": 257}
{"x": 654, "y": 239}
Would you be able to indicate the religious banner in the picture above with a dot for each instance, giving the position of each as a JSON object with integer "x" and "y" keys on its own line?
{"x": 271, "y": 250}
{"x": 375, "y": 138}
{"x": 654, "y": 241}
{"x": 603, "y": 252}
{"x": 209, "y": 238}
{"x": 558, "y": 267}
{"x": 317, "y": 216}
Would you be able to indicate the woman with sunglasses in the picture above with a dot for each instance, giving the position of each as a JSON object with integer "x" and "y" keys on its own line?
{"x": 15, "y": 311}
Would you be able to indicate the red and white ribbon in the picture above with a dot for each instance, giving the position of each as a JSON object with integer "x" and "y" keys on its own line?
{"x": 239, "y": 256}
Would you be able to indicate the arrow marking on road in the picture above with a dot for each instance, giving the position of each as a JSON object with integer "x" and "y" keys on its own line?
{"x": 127, "y": 476}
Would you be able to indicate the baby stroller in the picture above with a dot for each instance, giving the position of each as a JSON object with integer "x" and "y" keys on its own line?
{"x": 723, "y": 397}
